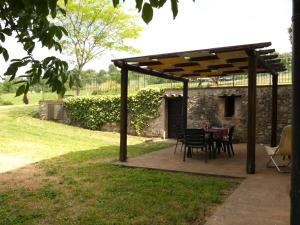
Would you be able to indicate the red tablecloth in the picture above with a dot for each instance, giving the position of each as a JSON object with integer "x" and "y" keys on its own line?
{"x": 218, "y": 133}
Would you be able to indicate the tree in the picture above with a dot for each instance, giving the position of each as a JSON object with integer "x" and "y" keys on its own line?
{"x": 29, "y": 22}
{"x": 93, "y": 28}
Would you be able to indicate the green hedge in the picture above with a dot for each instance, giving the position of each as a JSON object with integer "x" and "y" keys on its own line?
{"x": 94, "y": 112}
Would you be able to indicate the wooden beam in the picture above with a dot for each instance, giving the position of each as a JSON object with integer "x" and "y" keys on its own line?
{"x": 274, "y": 110}
{"x": 295, "y": 175}
{"x": 185, "y": 104}
{"x": 266, "y": 51}
{"x": 268, "y": 57}
{"x": 274, "y": 61}
{"x": 147, "y": 71}
{"x": 267, "y": 66}
{"x": 252, "y": 64}
{"x": 124, "y": 111}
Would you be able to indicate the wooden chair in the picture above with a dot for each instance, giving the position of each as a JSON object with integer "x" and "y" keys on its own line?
{"x": 283, "y": 149}
{"x": 195, "y": 138}
{"x": 227, "y": 142}
{"x": 179, "y": 138}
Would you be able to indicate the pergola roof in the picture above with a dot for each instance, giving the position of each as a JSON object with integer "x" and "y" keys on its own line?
{"x": 229, "y": 60}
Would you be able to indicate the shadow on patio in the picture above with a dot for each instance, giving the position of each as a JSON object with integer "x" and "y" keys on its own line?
{"x": 262, "y": 198}
{"x": 221, "y": 166}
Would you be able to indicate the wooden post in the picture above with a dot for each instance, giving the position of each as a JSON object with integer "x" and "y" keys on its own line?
{"x": 274, "y": 110}
{"x": 295, "y": 176}
{"x": 184, "y": 111}
{"x": 185, "y": 104}
{"x": 252, "y": 63}
{"x": 123, "y": 124}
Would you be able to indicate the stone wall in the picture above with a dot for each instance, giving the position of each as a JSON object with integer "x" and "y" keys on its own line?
{"x": 205, "y": 106}
{"x": 53, "y": 110}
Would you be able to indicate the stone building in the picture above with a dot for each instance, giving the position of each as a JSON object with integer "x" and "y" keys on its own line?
{"x": 224, "y": 107}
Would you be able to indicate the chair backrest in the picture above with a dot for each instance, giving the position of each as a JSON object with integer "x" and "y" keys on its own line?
{"x": 285, "y": 145}
{"x": 195, "y": 137}
{"x": 179, "y": 132}
{"x": 230, "y": 134}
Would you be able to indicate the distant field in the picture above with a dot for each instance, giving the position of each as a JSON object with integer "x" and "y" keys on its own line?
{"x": 34, "y": 98}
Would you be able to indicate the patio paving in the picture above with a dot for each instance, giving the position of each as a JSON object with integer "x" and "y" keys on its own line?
{"x": 261, "y": 198}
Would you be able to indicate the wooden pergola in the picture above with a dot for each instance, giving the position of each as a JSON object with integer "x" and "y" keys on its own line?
{"x": 248, "y": 59}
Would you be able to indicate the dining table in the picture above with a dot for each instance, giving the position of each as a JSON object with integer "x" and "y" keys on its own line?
{"x": 214, "y": 135}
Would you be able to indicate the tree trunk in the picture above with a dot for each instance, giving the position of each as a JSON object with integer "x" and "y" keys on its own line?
{"x": 79, "y": 77}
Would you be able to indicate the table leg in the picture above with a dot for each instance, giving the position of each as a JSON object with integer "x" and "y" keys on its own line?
{"x": 189, "y": 152}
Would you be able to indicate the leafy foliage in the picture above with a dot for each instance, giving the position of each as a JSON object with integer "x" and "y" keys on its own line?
{"x": 33, "y": 21}
{"x": 147, "y": 7}
{"x": 28, "y": 22}
{"x": 95, "y": 27}
{"x": 93, "y": 112}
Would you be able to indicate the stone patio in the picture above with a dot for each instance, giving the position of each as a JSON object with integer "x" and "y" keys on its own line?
{"x": 261, "y": 198}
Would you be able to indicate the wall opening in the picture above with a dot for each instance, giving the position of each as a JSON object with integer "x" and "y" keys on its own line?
{"x": 174, "y": 115}
{"x": 229, "y": 108}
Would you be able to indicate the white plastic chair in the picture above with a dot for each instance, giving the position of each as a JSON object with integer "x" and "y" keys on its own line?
{"x": 283, "y": 149}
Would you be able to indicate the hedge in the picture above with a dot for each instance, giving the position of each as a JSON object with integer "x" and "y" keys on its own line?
{"x": 94, "y": 112}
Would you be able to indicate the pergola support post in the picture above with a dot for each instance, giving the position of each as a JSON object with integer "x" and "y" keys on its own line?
{"x": 252, "y": 63}
{"x": 295, "y": 176}
{"x": 124, "y": 111}
{"x": 274, "y": 110}
{"x": 185, "y": 104}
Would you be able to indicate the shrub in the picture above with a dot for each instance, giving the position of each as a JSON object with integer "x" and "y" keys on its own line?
{"x": 93, "y": 112}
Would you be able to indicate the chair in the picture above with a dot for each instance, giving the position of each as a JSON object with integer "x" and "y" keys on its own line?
{"x": 195, "y": 138}
{"x": 227, "y": 142}
{"x": 283, "y": 149}
{"x": 179, "y": 137}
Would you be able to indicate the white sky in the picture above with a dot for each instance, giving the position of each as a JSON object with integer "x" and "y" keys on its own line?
{"x": 200, "y": 24}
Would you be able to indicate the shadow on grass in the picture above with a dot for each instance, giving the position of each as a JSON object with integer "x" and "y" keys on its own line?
{"x": 85, "y": 188}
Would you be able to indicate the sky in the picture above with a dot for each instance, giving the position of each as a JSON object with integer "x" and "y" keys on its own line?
{"x": 199, "y": 25}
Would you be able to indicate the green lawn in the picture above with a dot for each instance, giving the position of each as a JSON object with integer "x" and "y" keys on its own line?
{"x": 74, "y": 181}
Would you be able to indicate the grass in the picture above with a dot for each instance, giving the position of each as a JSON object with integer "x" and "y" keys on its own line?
{"x": 74, "y": 182}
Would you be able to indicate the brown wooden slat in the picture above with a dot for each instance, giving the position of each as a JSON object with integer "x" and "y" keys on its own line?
{"x": 232, "y": 54}
{"x": 202, "y": 71}
{"x": 188, "y": 64}
{"x": 172, "y": 70}
{"x": 204, "y": 58}
{"x": 220, "y": 66}
{"x": 235, "y": 71}
{"x": 160, "y": 67}
{"x": 236, "y": 60}
{"x": 149, "y": 63}
{"x": 173, "y": 60}
{"x": 273, "y": 61}
{"x": 268, "y": 57}
{"x": 266, "y": 51}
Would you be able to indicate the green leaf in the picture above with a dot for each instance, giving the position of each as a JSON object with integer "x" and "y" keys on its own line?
{"x": 147, "y": 13}
{"x": 5, "y": 54}
{"x": 154, "y": 3}
{"x": 21, "y": 90}
{"x": 2, "y": 37}
{"x": 139, "y": 4}
{"x": 174, "y": 6}
{"x": 161, "y": 3}
{"x": 115, "y": 3}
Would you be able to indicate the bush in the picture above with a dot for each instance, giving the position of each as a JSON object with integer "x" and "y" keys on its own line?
{"x": 93, "y": 112}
